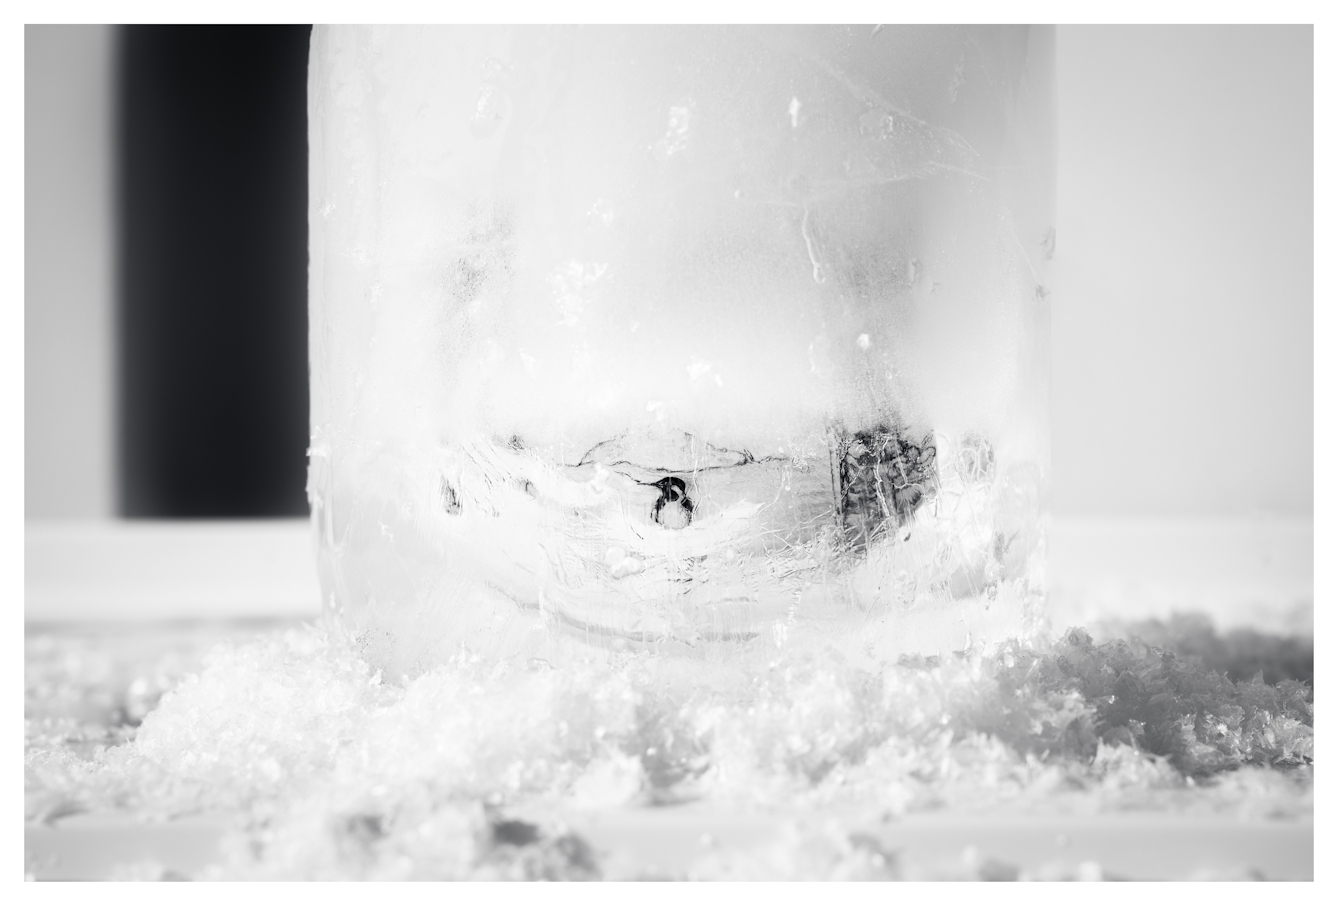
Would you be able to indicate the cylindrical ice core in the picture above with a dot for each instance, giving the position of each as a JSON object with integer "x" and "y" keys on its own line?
{"x": 704, "y": 341}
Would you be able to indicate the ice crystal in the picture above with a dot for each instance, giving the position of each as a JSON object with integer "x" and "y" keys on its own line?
{"x": 335, "y": 773}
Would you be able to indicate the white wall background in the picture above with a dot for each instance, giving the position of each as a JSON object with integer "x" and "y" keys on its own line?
{"x": 1184, "y": 271}
{"x": 67, "y": 261}
{"x": 1183, "y": 297}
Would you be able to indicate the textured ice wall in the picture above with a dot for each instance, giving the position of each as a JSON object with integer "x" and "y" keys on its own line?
{"x": 746, "y": 233}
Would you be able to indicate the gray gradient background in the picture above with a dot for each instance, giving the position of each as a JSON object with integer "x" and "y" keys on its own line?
{"x": 1183, "y": 296}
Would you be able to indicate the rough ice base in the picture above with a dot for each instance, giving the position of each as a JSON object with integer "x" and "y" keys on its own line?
{"x": 686, "y": 550}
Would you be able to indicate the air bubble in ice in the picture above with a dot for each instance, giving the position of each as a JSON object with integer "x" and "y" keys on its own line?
{"x": 570, "y": 284}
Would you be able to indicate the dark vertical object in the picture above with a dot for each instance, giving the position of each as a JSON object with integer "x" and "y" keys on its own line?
{"x": 212, "y": 320}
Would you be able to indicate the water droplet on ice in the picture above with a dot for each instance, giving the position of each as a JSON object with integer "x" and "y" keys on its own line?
{"x": 601, "y": 212}
{"x": 626, "y": 567}
{"x": 958, "y": 79}
{"x": 1048, "y": 243}
{"x": 811, "y": 246}
{"x": 488, "y": 112}
{"x": 496, "y": 70}
{"x": 676, "y": 136}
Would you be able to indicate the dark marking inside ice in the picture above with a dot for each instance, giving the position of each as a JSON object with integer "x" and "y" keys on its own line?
{"x": 884, "y": 478}
{"x": 450, "y": 501}
{"x": 365, "y": 829}
{"x": 676, "y": 451}
{"x": 515, "y": 833}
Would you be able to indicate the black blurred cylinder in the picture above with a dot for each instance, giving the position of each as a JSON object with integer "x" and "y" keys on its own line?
{"x": 212, "y": 277}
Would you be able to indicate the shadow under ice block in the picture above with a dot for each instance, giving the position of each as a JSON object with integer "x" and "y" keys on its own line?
{"x": 698, "y": 341}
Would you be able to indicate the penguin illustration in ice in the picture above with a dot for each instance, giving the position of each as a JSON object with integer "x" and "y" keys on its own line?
{"x": 673, "y": 509}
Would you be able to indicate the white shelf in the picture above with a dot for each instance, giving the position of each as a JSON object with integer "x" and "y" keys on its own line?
{"x": 1241, "y": 572}
{"x": 135, "y": 570}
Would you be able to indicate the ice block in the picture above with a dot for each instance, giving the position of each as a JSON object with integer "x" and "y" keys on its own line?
{"x": 703, "y": 342}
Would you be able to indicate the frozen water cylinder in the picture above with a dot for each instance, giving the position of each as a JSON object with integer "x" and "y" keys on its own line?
{"x": 697, "y": 341}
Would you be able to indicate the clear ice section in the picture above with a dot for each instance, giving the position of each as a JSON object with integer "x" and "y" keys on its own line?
{"x": 707, "y": 342}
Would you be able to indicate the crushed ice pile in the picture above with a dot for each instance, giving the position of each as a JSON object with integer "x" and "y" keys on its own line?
{"x": 334, "y": 772}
